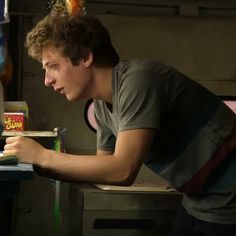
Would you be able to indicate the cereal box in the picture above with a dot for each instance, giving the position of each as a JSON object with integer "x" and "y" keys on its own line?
{"x": 16, "y": 108}
{"x": 14, "y": 121}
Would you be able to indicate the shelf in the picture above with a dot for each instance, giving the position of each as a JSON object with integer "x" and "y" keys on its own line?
{"x": 30, "y": 133}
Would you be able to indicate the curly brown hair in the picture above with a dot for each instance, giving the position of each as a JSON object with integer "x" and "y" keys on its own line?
{"x": 75, "y": 36}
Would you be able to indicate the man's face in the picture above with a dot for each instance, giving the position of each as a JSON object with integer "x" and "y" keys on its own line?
{"x": 65, "y": 78}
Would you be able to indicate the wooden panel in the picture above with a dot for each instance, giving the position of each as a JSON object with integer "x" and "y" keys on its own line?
{"x": 27, "y": 7}
{"x": 144, "y": 7}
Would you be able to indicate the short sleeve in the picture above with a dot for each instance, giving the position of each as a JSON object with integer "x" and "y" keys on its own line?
{"x": 140, "y": 101}
{"x": 105, "y": 138}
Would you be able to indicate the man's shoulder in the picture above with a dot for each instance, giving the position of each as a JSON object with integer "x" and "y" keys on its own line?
{"x": 140, "y": 64}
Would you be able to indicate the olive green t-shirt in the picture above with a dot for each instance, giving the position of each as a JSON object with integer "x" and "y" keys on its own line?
{"x": 189, "y": 131}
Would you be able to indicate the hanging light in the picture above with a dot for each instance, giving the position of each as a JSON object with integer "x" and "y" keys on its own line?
{"x": 75, "y": 6}
{"x": 61, "y": 7}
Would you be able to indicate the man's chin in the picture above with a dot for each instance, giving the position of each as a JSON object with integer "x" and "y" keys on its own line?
{"x": 71, "y": 99}
{"x": 68, "y": 98}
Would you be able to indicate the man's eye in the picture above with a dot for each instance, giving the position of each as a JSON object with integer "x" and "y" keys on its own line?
{"x": 53, "y": 66}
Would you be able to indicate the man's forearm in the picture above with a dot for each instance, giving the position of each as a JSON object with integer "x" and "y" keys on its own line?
{"x": 50, "y": 174}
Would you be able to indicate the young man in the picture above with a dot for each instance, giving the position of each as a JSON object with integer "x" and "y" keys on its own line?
{"x": 147, "y": 113}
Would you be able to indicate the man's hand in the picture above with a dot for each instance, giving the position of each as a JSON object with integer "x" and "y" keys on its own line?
{"x": 27, "y": 150}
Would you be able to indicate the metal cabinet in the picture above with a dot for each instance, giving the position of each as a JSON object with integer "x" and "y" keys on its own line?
{"x": 96, "y": 212}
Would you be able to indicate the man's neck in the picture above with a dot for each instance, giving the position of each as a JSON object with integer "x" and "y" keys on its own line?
{"x": 103, "y": 84}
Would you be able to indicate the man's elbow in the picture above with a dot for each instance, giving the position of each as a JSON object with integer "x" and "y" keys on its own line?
{"x": 126, "y": 178}
{"x": 126, "y": 182}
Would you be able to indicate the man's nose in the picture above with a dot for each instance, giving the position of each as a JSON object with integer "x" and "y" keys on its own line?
{"x": 48, "y": 80}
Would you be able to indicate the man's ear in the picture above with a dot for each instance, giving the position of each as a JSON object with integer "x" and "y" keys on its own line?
{"x": 88, "y": 60}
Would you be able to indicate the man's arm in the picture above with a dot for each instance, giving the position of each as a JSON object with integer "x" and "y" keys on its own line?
{"x": 103, "y": 153}
{"x": 120, "y": 167}
{"x": 50, "y": 174}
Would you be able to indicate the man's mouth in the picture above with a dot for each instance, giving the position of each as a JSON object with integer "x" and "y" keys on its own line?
{"x": 59, "y": 90}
